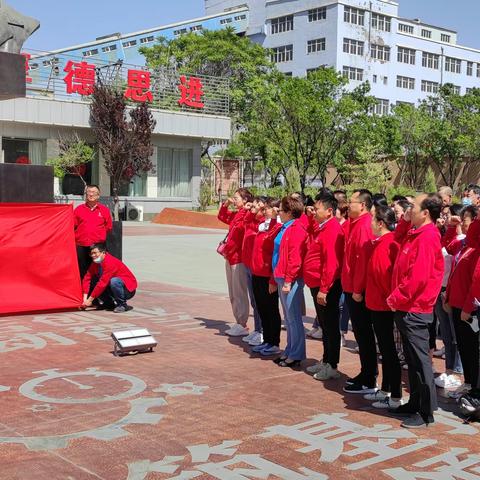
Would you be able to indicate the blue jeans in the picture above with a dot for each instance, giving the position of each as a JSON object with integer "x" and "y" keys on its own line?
{"x": 256, "y": 316}
{"x": 292, "y": 311}
{"x": 116, "y": 292}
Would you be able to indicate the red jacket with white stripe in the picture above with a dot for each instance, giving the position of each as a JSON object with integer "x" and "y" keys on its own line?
{"x": 236, "y": 231}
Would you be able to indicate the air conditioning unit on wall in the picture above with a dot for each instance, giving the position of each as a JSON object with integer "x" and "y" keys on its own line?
{"x": 134, "y": 213}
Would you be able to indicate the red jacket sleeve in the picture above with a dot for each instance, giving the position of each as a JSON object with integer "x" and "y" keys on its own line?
{"x": 296, "y": 246}
{"x": 363, "y": 255}
{"x": 332, "y": 253}
{"x": 225, "y": 215}
{"x": 108, "y": 219}
{"x": 401, "y": 231}
{"x": 313, "y": 225}
{"x": 474, "y": 292}
{"x": 450, "y": 236}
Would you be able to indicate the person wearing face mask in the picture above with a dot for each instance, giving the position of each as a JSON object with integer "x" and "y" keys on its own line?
{"x": 109, "y": 280}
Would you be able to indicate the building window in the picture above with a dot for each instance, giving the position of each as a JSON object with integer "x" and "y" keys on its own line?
{"x": 426, "y": 33}
{"x": 478, "y": 70}
{"x": 405, "y": 82}
{"x": 445, "y": 38}
{"x": 430, "y": 60}
{"x": 385, "y": 80}
{"x": 181, "y": 31}
{"x": 353, "y": 73}
{"x": 174, "y": 172}
{"x": 224, "y": 21}
{"x": 282, "y": 24}
{"x": 456, "y": 89}
{"x": 110, "y": 48}
{"x": 317, "y": 45}
{"x": 453, "y": 65}
{"x": 403, "y": 27}
{"x": 374, "y": 79}
{"x": 381, "y": 22}
{"x": 355, "y": 47}
{"x": 380, "y": 52}
{"x": 287, "y": 74}
{"x": 90, "y": 53}
{"x": 406, "y": 55}
{"x": 470, "y": 69}
{"x": 354, "y": 15}
{"x": 130, "y": 43}
{"x": 16, "y": 150}
{"x": 196, "y": 28}
{"x": 54, "y": 61}
{"x": 317, "y": 14}
{"x": 282, "y": 54}
{"x": 382, "y": 107}
{"x": 240, "y": 17}
{"x": 429, "y": 87}
{"x": 147, "y": 39}
{"x": 33, "y": 66}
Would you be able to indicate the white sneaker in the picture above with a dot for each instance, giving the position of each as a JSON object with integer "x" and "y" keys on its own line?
{"x": 387, "y": 403}
{"x": 318, "y": 334}
{"x": 465, "y": 387}
{"x": 316, "y": 368}
{"x": 237, "y": 331}
{"x": 447, "y": 381}
{"x": 378, "y": 396}
{"x": 311, "y": 331}
{"x": 439, "y": 353}
{"x": 257, "y": 339}
{"x": 327, "y": 373}
{"x": 249, "y": 337}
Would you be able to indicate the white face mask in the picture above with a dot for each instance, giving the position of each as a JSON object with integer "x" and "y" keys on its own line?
{"x": 98, "y": 260}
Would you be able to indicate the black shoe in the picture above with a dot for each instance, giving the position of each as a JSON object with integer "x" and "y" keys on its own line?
{"x": 403, "y": 410}
{"x": 278, "y": 360}
{"x": 359, "y": 388}
{"x": 416, "y": 421}
{"x": 292, "y": 364}
{"x": 105, "y": 306}
{"x": 354, "y": 380}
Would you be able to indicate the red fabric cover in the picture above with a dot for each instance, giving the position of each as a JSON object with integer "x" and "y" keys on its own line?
{"x": 236, "y": 230}
{"x": 323, "y": 261}
{"x": 251, "y": 229}
{"x": 292, "y": 252}
{"x": 418, "y": 271}
{"x": 112, "y": 267}
{"x": 39, "y": 269}
{"x": 379, "y": 272}
{"x": 357, "y": 249}
{"x": 92, "y": 226}
{"x": 263, "y": 250}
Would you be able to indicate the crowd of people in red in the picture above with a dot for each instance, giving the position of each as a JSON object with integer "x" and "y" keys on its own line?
{"x": 396, "y": 270}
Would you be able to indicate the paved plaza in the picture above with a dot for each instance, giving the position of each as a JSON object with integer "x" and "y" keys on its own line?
{"x": 201, "y": 406}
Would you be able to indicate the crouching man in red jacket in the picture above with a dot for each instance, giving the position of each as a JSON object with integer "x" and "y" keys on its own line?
{"x": 109, "y": 280}
{"x": 416, "y": 282}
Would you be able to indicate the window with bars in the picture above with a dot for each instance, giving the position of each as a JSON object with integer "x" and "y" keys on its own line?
{"x": 354, "y": 15}
{"x": 282, "y": 54}
{"x": 453, "y": 65}
{"x": 478, "y": 70}
{"x": 406, "y": 55}
{"x": 240, "y": 17}
{"x": 90, "y": 53}
{"x": 470, "y": 69}
{"x": 181, "y": 31}
{"x": 353, "y": 73}
{"x": 381, "y": 22}
{"x": 317, "y": 45}
{"x": 426, "y": 33}
{"x": 282, "y": 24}
{"x": 456, "y": 89}
{"x": 382, "y": 107}
{"x": 316, "y": 14}
{"x": 147, "y": 39}
{"x": 355, "y": 47}
{"x": 403, "y": 27}
{"x": 196, "y": 28}
{"x": 380, "y": 52}
{"x": 405, "y": 82}
{"x": 129, "y": 43}
{"x": 445, "y": 38}
{"x": 224, "y": 21}
{"x": 430, "y": 60}
{"x": 430, "y": 87}
{"x": 109, "y": 48}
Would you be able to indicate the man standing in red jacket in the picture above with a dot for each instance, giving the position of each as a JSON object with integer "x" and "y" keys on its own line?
{"x": 109, "y": 280}
{"x": 92, "y": 223}
{"x": 416, "y": 282}
{"x": 354, "y": 280}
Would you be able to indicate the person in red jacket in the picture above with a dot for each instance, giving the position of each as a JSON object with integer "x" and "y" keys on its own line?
{"x": 379, "y": 284}
{"x": 235, "y": 269}
{"x": 287, "y": 259}
{"x": 321, "y": 272}
{"x": 92, "y": 222}
{"x": 354, "y": 279}
{"x": 109, "y": 280}
{"x": 416, "y": 282}
{"x": 460, "y": 299}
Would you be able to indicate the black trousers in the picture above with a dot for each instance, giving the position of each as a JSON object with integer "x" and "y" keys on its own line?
{"x": 468, "y": 347}
{"x": 84, "y": 259}
{"x": 267, "y": 306}
{"x": 363, "y": 331}
{"x": 391, "y": 369}
{"x": 328, "y": 319}
{"x": 414, "y": 328}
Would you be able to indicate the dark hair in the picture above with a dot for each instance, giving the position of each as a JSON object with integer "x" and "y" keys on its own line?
{"x": 245, "y": 194}
{"x": 327, "y": 198}
{"x": 397, "y": 198}
{"x": 470, "y": 186}
{"x": 102, "y": 247}
{"x": 309, "y": 202}
{"x": 343, "y": 208}
{"x": 292, "y": 204}
{"x": 260, "y": 198}
{"x": 386, "y": 215}
{"x": 380, "y": 202}
{"x": 271, "y": 202}
{"x": 473, "y": 211}
{"x": 365, "y": 196}
{"x": 93, "y": 186}
{"x": 475, "y": 189}
{"x": 404, "y": 204}
{"x": 379, "y": 196}
{"x": 433, "y": 203}
{"x": 456, "y": 209}
{"x": 340, "y": 195}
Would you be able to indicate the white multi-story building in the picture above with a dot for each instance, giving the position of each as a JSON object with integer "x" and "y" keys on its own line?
{"x": 404, "y": 60}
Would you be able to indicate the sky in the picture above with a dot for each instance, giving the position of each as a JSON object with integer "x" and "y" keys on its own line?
{"x": 70, "y": 22}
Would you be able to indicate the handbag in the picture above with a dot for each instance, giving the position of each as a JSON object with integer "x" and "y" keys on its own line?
{"x": 222, "y": 245}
